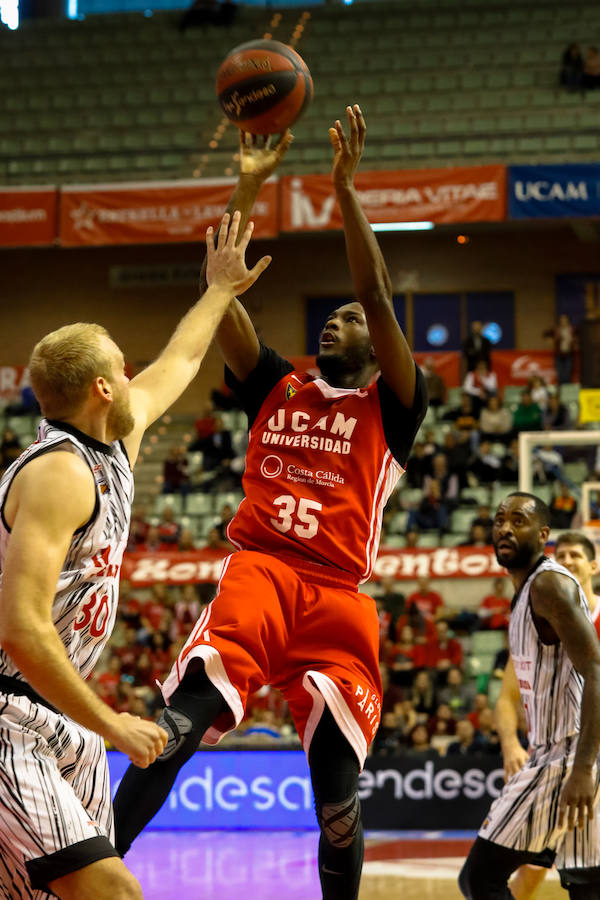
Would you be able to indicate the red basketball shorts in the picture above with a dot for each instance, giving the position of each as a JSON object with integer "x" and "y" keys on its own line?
{"x": 318, "y": 645}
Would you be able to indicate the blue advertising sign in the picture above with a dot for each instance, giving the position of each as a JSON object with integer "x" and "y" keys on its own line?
{"x": 259, "y": 789}
{"x": 553, "y": 192}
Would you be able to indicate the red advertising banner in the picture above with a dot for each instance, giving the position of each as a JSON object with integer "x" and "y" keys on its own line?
{"x": 27, "y": 216}
{"x": 12, "y": 381}
{"x": 465, "y": 194}
{"x": 155, "y": 212}
{"x": 446, "y": 364}
{"x": 143, "y": 569}
{"x": 518, "y": 366}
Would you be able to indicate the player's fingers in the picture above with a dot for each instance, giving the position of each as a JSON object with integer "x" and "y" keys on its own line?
{"x": 360, "y": 122}
{"x": 223, "y": 229}
{"x": 245, "y": 239}
{"x": 561, "y": 813}
{"x": 284, "y": 141}
{"x": 581, "y": 813}
{"x": 233, "y": 228}
{"x": 341, "y": 135}
{"x": 571, "y": 816}
{"x": 353, "y": 125}
{"x": 590, "y": 808}
{"x": 259, "y": 268}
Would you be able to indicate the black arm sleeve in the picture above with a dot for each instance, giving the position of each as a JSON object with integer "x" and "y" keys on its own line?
{"x": 401, "y": 423}
{"x": 252, "y": 392}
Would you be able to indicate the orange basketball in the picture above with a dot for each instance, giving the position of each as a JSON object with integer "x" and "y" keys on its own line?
{"x": 263, "y": 86}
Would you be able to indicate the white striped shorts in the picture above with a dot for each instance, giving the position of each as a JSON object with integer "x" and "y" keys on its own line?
{"x": 525, "y": 815}
{"x": 54, "y": 793}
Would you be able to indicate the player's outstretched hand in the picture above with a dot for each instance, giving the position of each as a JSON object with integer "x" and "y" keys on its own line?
{"x": 259, "y": 157}
{"x": 577, "y": 799}
{"x": 225, "y": 263}
{"x": 514, "y": 758}
{"x": 140, "y": 739}
{"x": 347, "y": 151}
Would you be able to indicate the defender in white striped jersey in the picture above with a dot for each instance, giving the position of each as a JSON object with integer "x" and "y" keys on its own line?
{"x": 556, "y": 657}
{"x": 64, "y": 517}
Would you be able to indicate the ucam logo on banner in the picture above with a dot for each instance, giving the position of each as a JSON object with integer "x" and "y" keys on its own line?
{"x": 553, "y": 192}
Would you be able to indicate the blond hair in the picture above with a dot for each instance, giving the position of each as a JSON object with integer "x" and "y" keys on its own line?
{"x": 64, "y": 364}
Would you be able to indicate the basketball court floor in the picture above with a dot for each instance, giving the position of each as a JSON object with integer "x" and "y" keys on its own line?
{"x": 197, "y": 865}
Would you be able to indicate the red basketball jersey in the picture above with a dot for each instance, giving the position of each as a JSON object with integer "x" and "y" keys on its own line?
{"x": 318, "y": 474}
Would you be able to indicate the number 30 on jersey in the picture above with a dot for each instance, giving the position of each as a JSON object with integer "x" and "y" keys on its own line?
{"x": 296, "y": 515}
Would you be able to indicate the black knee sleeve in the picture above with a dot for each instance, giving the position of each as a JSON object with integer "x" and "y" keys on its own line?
{"x": 334, "y": 770}
{"x": 488, "y": 867}
{"x": 194, "y": 707}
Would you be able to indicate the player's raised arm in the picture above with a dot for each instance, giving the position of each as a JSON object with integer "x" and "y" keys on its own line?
{"x": 506, "y": 716}
{"x": 555, "y": 599}
{"x": 236, "y": 336}
{"x": 40, "y": 536}
{"x": 369, "y": 273}
{"x": 162, "y": 382}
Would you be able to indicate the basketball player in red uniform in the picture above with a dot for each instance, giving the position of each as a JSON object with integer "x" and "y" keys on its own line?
{"x": 324, "y": 455}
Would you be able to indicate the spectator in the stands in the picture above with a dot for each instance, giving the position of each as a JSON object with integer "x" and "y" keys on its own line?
{"x": 214, "y": 541}
{"x": 436, "y": 388}
{"x": 153, "y": 542}
{"x": 423, "y": 695}
{"x": 431, "y": 444}
{"x": 528, "y": 415}
{"x": 485, "y": 466}
{"x": 428, "y": 602}
{"x": 433, "y": 512}
{"x": 571, "y": 74}
{"x": 562, "y": 508}
{"x": 411, "y": 538}
{"x": 418, "y": 743}
{"x": 466, "y": 741}
{"x": 482, "y": 701}
{"x": 391, "y": 597}
{"x": 480, "y": 384}
{"x": 477, "y": 537}
{"x": 459, "y": 696}
{"x": 110, "y": 679}
{"x": 449, "y": 481}
{"x": 204, "y": 427}
{"x": 484, "y": 518}
{"x": 138, "y": 527}
{"x": 564, "y": 338}
{"x": 217, "y": 455}
{"x": 176, "y": 475}
{"x": 405, "y": 657}
{"x": 423, "y": 626}
{"x": 168, "y": 528}
{"x": 154, "y": 608}
{"x": 486, "y": 732}
{"x": 495, "y": 422}
{"x": 477, "y": 347}
{"x": 463, "y": 416}
{"x": 457, "y": 450}
{"x": 186, "y": 541}
{"x": 444, "y": 652}
{"x": 501, "y": 659}
{"x": 538, "y": 389}
{"x": 442, "y": 728}
{"x": 591, "y": 69}
{"x": 494, "y": 609}
{"x": 385, "y": 628}
{"x": 509, "y": 470}
{"x": 10, "y": 446}
{"x": 556, "y": 414}
{"x": 225, "y": 517}
{"x": 418, "y": 465}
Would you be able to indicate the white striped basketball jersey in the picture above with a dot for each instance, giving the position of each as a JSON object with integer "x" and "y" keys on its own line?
{"x": 85, "y": 604}
{"x": 551, "y": 688}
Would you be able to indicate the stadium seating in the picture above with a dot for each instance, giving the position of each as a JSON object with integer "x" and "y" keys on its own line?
{"x": 127, "y": 96}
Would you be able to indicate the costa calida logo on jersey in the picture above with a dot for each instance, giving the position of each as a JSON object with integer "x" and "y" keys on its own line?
{"x": 271, "y": 467}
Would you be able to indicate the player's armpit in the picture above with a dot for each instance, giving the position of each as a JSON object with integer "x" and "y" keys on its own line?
{"x": 50, "y": 498}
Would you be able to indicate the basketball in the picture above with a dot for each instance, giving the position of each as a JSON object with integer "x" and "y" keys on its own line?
{"x": 264, "y": 86}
